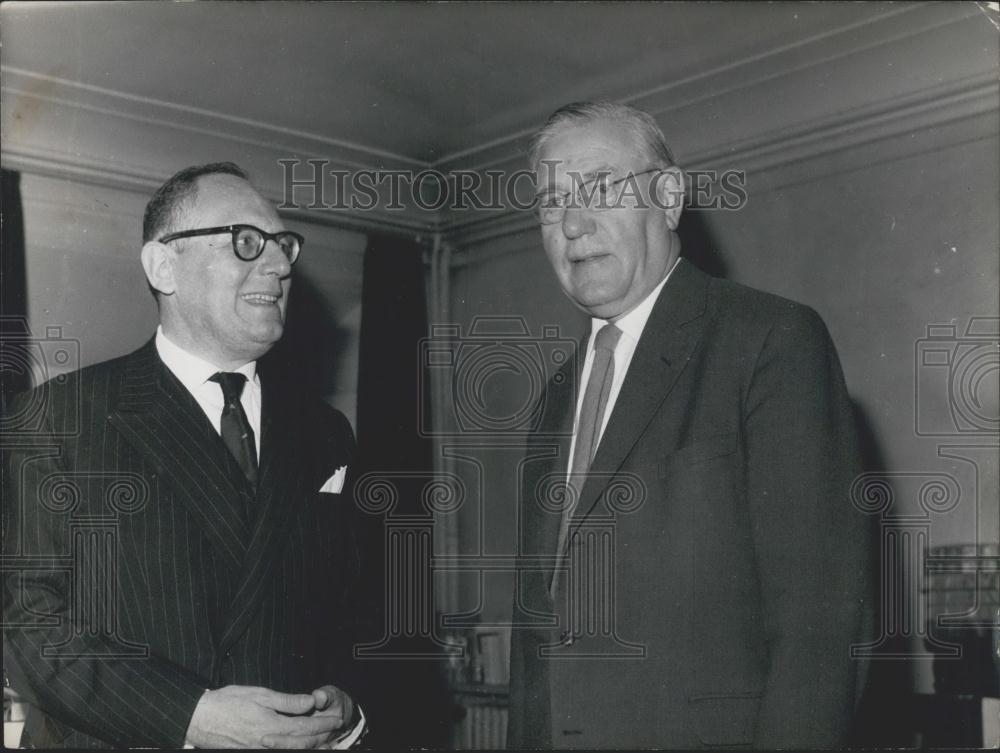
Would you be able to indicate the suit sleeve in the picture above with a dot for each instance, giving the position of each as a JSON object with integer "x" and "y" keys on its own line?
{"x": 76, "y": 672}
{"x": 811, "y": 544}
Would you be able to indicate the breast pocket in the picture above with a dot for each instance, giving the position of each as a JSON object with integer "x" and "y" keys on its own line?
{"x": 699, "y": 451}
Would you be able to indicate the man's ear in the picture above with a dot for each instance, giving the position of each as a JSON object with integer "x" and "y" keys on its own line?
{"x": 158, "y": 262}
{"x": 670, "y": 194}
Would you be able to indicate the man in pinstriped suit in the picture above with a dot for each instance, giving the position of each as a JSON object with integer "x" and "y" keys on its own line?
{"x": 214, "y": 607}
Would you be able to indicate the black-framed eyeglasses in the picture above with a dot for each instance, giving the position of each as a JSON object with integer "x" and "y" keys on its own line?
{"x": 598, "y": 193}
{"x": 248, "y": 241}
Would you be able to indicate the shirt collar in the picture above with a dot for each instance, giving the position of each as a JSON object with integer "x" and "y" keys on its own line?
{"x": 635, "y": 320}
{"x": 191, "y": 370}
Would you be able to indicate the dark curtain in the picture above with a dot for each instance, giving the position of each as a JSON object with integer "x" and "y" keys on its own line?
{"x": 15, "y": 374}
{"x": 409, "y": 706}
{"x": 15, "y": 371}
{"x": 390, "y": 387}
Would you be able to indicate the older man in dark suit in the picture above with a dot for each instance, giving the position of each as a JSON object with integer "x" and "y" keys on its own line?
{"x": 701, "y": 577}
{"x": 213, "y": 608}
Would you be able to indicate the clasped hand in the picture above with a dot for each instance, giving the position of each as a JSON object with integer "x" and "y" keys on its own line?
{"x": 241, "y": 716}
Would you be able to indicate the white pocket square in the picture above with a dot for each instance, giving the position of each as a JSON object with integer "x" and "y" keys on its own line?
{"x": 335, "y": 483}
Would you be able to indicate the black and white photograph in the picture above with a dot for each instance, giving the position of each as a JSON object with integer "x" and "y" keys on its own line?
{"x": 500, "y": 375}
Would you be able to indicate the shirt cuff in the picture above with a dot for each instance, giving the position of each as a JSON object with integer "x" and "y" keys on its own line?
{"x": 351, "y": 738}
{"x": 187, "y": 745}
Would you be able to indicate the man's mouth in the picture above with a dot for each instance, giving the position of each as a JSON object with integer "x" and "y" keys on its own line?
{"x": 587, "y": 259}
{"x": 260, "y": 299}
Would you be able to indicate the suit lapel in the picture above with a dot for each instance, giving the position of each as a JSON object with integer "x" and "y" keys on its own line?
{"x": 160, "y": 419}
{"x": 672, "y": 332}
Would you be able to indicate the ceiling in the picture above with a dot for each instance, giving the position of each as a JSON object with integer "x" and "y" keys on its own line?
{"x": 421, "y": 82}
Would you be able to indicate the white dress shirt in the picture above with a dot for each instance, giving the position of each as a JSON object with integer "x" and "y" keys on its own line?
{"x": 194, "y": 372}
{"x": 631, "y": 325}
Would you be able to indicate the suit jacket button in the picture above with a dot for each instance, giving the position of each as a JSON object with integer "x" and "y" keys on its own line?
{"x": 567, "y": 638}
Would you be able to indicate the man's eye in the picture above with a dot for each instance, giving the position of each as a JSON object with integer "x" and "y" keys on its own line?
{"x": 551, "y": 201}
{"x": 603, "y": 185}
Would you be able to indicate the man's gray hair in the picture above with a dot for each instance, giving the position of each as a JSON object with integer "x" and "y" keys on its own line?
{"x": 644, "y": 128}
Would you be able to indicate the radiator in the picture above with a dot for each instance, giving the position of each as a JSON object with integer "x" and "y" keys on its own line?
{"x": 483, "y": 719}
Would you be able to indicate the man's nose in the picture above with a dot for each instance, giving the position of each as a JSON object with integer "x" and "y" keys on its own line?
{"x": 577, "y": 222}
{"x": 274, "y": 261}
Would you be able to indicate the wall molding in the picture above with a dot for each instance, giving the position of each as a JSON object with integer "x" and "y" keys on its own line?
{"x": 117, "y": 104}
{"x": 973, "y": 99}
{"x": 51, "y": 163}
{"x": 898, "y": 25}
{"x": 922, "y": 110}
{"x": 49, "y": 125}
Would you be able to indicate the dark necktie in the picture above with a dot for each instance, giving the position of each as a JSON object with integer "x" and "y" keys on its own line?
{"x": 595, "y": 401}
{"x": 236, "y": 431}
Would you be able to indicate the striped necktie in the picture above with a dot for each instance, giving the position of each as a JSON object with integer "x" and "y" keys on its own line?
{"x": 595, "y": 401}
{"x": 236, "y": 432}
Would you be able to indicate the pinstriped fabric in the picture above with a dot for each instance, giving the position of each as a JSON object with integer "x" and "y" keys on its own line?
{"x": 159, "y": 589}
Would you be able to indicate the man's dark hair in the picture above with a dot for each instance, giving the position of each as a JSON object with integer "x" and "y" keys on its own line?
{"x": 163, "y": 207}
